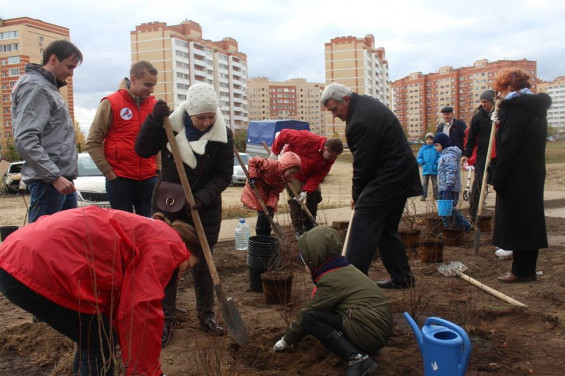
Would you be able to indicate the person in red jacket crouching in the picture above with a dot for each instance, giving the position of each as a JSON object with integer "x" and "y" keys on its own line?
{"x": 317, "y": 155}
{"x": 93, "y": 274}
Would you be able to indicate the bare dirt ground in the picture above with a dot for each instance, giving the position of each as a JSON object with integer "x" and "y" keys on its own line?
{"x": 506, "y": 340}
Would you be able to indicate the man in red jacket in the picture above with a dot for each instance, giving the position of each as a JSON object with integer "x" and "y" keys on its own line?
{"x": 130, "y": 179}
{"x": 317, "y": 155}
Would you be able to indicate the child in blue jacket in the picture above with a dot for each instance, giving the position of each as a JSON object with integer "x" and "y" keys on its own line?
{"x": 449, "y": 180}
{"x": 428, "y": 158}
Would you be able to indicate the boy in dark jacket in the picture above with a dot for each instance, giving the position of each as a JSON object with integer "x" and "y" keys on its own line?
{"x": 348, "y": 312}
{"x": 428, "y": 158}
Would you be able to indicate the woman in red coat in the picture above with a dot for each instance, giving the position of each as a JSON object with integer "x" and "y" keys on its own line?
{"x": 92, "y": 274}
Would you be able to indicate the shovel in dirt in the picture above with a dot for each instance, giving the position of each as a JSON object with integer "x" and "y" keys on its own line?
{"x": 302, "y": 205}
{"x": 456, "y": 268}
{"x": 275, "y": 226}
{"x": 230, "y": 314}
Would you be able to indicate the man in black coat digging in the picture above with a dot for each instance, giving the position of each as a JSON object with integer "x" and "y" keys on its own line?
{"x": 385, "y": 174}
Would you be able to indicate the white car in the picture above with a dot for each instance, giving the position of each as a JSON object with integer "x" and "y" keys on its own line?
{"x": 13, "y": 179}
{"x": 90, "y": 183}
{"x": 238, "y": 177}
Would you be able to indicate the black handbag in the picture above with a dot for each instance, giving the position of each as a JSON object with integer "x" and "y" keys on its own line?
{"x": 169, "y": 197}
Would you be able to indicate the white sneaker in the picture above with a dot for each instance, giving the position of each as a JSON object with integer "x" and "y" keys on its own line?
{"x": 501, "y": 253}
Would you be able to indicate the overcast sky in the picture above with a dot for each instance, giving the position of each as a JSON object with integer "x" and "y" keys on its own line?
{"x": 285, "y": 38}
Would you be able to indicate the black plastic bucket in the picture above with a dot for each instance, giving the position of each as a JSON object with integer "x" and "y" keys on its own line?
{"x": 262, "y": 254}
{"x": 6, "y": 230}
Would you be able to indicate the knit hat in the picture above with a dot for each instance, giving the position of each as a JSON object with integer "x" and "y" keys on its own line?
{"x": 429, "y": 135}
{"x": 447, "y": 109}
{"x": 442, "y": 139}
{"x": 488, "y": 95}
{"x": 200, "y": 99}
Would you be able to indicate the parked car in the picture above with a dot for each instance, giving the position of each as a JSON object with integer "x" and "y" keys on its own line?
{"x": 13, "y": 179}
{"x": 238, "y": 177}
{"x": 90, "y": 183}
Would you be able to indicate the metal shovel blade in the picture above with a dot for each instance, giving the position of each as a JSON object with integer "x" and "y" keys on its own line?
{"x": 451, "y": 269}
{"x": 232, "y": 318}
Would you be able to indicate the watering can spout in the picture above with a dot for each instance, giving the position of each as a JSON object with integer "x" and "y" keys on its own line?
{"x": 415, "y": 329}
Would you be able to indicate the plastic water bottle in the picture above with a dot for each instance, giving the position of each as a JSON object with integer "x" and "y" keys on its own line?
{"x": 242, "y": 234}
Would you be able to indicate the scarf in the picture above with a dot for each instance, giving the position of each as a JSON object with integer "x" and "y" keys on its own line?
{"x": 514, "y": 94}
{"x": 335, "y": 262}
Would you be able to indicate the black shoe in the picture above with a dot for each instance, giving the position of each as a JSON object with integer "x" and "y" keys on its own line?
{"x": 390, "y": 284}
{"x": 361, "y": 367}
{"x": 211, "y": 326}
{"x": 167, "y": 333}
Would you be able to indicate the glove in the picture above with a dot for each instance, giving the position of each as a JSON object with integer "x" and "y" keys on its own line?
{"x": 251, "y": 182}
{"x": 494, "y": 116}
{"x": 197, "y": 205}
{"x": 302, "y": 197}
{"x": 160, "y": 110}
{"x": 280, "y": 345}
{"x": 273, "y": 156}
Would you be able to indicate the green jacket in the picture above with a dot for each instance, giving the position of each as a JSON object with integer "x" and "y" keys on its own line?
{"x": 365, "y": 312}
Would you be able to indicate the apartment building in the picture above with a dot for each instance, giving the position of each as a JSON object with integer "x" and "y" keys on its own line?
{"x": 417, "y": 99}
{"x": 556, "y": 113}
{"x": 294, "y": 99}
{"x": 183, "y": 58}
{"x": 22, "y": 41}
{"x": 357, "y": 64}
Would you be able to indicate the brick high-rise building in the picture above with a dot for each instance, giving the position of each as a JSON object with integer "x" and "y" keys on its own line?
{"x": 183, "y": 58}
{"x": 357, "y": 64}
{"x": 293, "y": 99}
{"x": 556, "y": 113}
{"x": 22, "y": 41}
{"x": 418, "y": 98}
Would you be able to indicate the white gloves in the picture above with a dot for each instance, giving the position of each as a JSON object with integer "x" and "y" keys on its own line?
{"x": 302, "y": 197}
{"x": 273, "y": 156}
{"x": 494, "y": 116}
{"x": 280, "y": 345}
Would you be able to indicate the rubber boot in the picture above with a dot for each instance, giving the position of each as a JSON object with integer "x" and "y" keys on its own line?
{"x": 359, "y": 363}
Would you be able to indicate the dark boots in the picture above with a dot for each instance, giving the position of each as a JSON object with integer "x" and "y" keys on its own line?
{"x": 359, "y": 363}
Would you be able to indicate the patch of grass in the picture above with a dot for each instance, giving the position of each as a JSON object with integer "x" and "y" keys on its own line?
{"x": 555, "y": 152}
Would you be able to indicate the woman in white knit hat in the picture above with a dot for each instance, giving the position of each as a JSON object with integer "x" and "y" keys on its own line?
{"x": 206, "y": 147}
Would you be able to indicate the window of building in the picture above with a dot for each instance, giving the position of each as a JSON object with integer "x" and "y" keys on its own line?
{"x": 9, "y": 47}
{"x": 9, "y": 34}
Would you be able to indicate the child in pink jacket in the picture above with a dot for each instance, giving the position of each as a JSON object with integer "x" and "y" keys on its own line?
{"x": 270, "y": 177}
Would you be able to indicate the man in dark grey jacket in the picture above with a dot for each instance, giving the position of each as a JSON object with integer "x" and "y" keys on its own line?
{"x": 43, "y": 130}
{"x": 385, "y": 174}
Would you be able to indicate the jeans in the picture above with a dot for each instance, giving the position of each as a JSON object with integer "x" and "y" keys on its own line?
{"x": 426, "y": 179}
{"x": 456, "y": 219}
{"x": 46, "y": 200}
{"x": 129, "y": 195}
{"x": 92, "y": 333}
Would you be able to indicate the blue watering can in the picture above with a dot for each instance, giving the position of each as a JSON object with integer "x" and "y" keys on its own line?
{"x": 445, "y": 347}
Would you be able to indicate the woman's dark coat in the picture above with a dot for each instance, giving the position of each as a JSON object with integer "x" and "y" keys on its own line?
{"x": 519, "y": 175}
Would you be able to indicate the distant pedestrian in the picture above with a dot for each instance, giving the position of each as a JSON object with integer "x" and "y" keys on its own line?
{"x": 478, "y": 139}
{"x": 428, "y": 158}
{"x": 317, "y": 155}
{"x": 44, "y": 131}
{"x": 385, "y": 174}
{"x": 130, "y": 179}
{"x": 449, "y": 180}
{"x": 519, "y": 175}
{"x": 269, "y": 177}
{"x": 454, "y": 128}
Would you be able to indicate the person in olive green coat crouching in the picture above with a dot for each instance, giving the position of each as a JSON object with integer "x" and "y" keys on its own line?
{"x": 348, "y": 312}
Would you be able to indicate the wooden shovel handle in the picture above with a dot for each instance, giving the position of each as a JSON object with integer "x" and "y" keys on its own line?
{"x": 346, "y": 241}
{"x": 289, "y": 185}
{"x": 490, "y": 290}
{"x": 189, "y": 197}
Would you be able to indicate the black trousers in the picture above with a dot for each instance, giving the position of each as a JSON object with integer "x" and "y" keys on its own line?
{"x": 476, "y": 190}
{"x": 524, "y": 263}
{"x": 320, "y": 323}
{"x": 377, "y": 228}
{"x": 92, "y": 333}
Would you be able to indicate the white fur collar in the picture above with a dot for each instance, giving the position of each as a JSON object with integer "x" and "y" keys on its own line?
{"x": 187, "y": 148}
